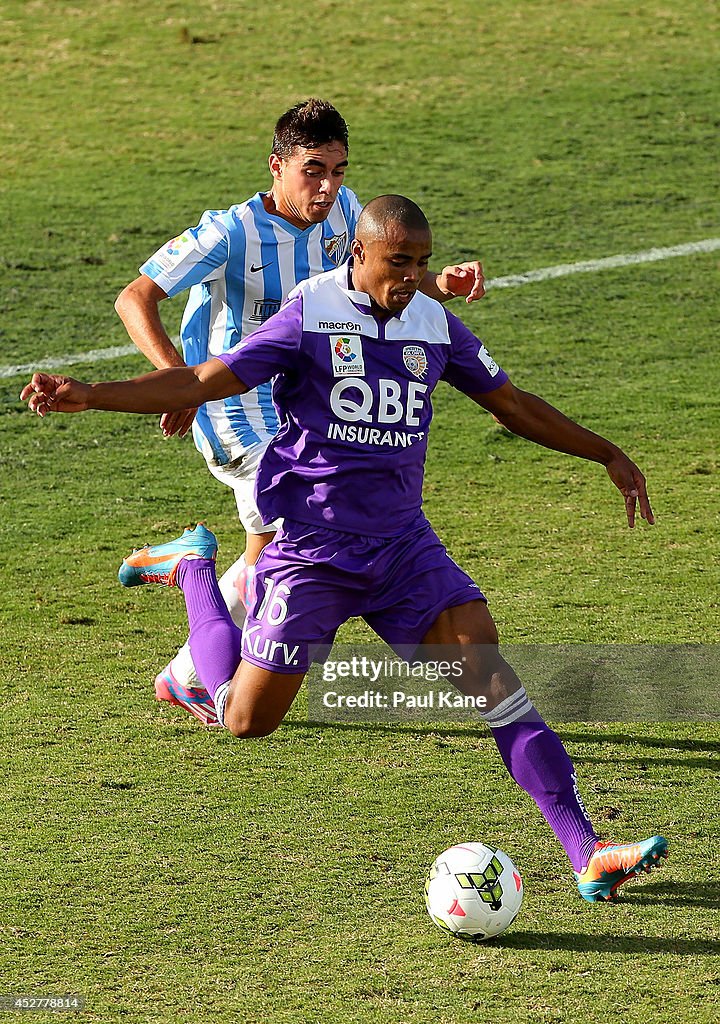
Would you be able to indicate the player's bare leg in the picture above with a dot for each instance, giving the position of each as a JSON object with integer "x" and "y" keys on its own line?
{"x": 469, "y": 632}
{"x": 254, "y": 544}
{"x": 258, "y": 700}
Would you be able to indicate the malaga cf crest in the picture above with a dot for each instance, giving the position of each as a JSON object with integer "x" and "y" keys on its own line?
{"x": 415, "y": 360}
{"x": 335, "y": 247}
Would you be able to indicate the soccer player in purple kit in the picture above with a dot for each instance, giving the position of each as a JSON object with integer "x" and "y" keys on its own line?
{"x": 357, "y": 353}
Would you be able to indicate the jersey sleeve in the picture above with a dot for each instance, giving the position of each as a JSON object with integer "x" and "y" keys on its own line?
{"x": 271, "y": 349}
{"x": 198, "y": 254}
{"x": 470, "y": 368}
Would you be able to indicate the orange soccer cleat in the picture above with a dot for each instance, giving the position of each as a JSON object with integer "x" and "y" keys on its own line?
{"x": 612, "y": 864}
{"x": 157, "y": 563}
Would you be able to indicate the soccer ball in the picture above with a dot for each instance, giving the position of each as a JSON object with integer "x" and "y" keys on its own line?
{"x": 473, "y": 892}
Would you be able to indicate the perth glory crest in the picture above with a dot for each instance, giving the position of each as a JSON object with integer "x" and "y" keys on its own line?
{"x": 415, "y": 360}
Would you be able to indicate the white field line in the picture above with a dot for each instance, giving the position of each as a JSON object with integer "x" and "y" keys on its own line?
{"x": 627, "y": 259}
{"x": 96, "y": 355}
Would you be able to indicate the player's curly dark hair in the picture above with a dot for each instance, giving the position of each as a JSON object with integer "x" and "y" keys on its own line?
{"x": 311, "y": 123}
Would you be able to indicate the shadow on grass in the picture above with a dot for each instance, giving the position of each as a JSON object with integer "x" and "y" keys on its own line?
{"x": 446, "y": 732}
{"x": 710, "y": 763}
{"x": 580, "y": 942}
{"x": 664, "y": 743}
{"x": 673, "y": 894}
{"x": 685, "y": 894}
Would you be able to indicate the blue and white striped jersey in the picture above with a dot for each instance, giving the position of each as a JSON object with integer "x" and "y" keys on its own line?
{"x": 240, "y": 264}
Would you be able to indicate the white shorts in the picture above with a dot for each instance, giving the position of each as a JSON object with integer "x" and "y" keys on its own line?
{"x": 240, "y": 476}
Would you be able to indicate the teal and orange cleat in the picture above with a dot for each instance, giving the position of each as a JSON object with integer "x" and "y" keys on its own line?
{"x": 157, "y": 563}
{"x": 612, "y": 864}
{"x": 194, "y": 699}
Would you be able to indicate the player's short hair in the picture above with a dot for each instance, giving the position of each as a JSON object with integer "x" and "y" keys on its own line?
{"x": 383, "y": 210}
{"x": 308, "y": 124}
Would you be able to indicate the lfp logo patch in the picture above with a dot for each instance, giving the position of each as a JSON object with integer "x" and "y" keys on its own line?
{"x": 415, "y": 360}
{"x": 347, "y": 357}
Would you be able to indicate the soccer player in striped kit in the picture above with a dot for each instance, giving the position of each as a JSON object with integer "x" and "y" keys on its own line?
{"x": 239, "y": 266}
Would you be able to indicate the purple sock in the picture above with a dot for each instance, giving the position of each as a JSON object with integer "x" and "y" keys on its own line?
{"x": 538, "y": 762}
{"x": 214, "y": 638}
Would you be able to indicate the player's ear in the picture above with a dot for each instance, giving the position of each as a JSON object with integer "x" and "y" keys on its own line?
{"x": 275, "y": 164}
{"x": 358, "y": 250}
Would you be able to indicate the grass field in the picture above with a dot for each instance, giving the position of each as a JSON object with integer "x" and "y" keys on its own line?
{"x": 168, "y": 874}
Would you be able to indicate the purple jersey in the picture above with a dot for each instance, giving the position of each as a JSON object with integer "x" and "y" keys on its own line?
{"x": 354, "y": 397}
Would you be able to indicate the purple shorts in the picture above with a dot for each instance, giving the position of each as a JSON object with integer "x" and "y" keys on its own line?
{"x": 310, "y": 580}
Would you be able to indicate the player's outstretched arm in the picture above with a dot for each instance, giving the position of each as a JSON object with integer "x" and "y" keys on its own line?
{"x": 460, "y": 279}
{"x": 176, "y": 388}
{"x": 533, "y": 418}
{"x": 137, "y": 306}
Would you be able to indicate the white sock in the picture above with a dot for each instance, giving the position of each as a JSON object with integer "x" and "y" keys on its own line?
{"x": 230, "y": 592}
{"x": 219, "y": 700}
{"x": 509, "y": 710}
{"x": 182, "y": 665}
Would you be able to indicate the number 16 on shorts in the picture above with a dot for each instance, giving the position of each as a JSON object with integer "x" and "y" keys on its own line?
{"x": 274, "y": 609}
{"x": 265, "y": 641}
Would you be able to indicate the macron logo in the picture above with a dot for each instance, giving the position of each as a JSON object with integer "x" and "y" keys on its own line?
{"x": 340, "y": 325}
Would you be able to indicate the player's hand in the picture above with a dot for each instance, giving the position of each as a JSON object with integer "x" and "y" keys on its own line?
{"x": 179, "y": 423}
{"x": 463, "y": 279}
{"x": 51, "y": 392}
{"x": 631, "y": 483}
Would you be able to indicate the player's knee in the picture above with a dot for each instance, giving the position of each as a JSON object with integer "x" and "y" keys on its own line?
{"x": 251, "y": 730}
{"x": 248, "y": 726}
